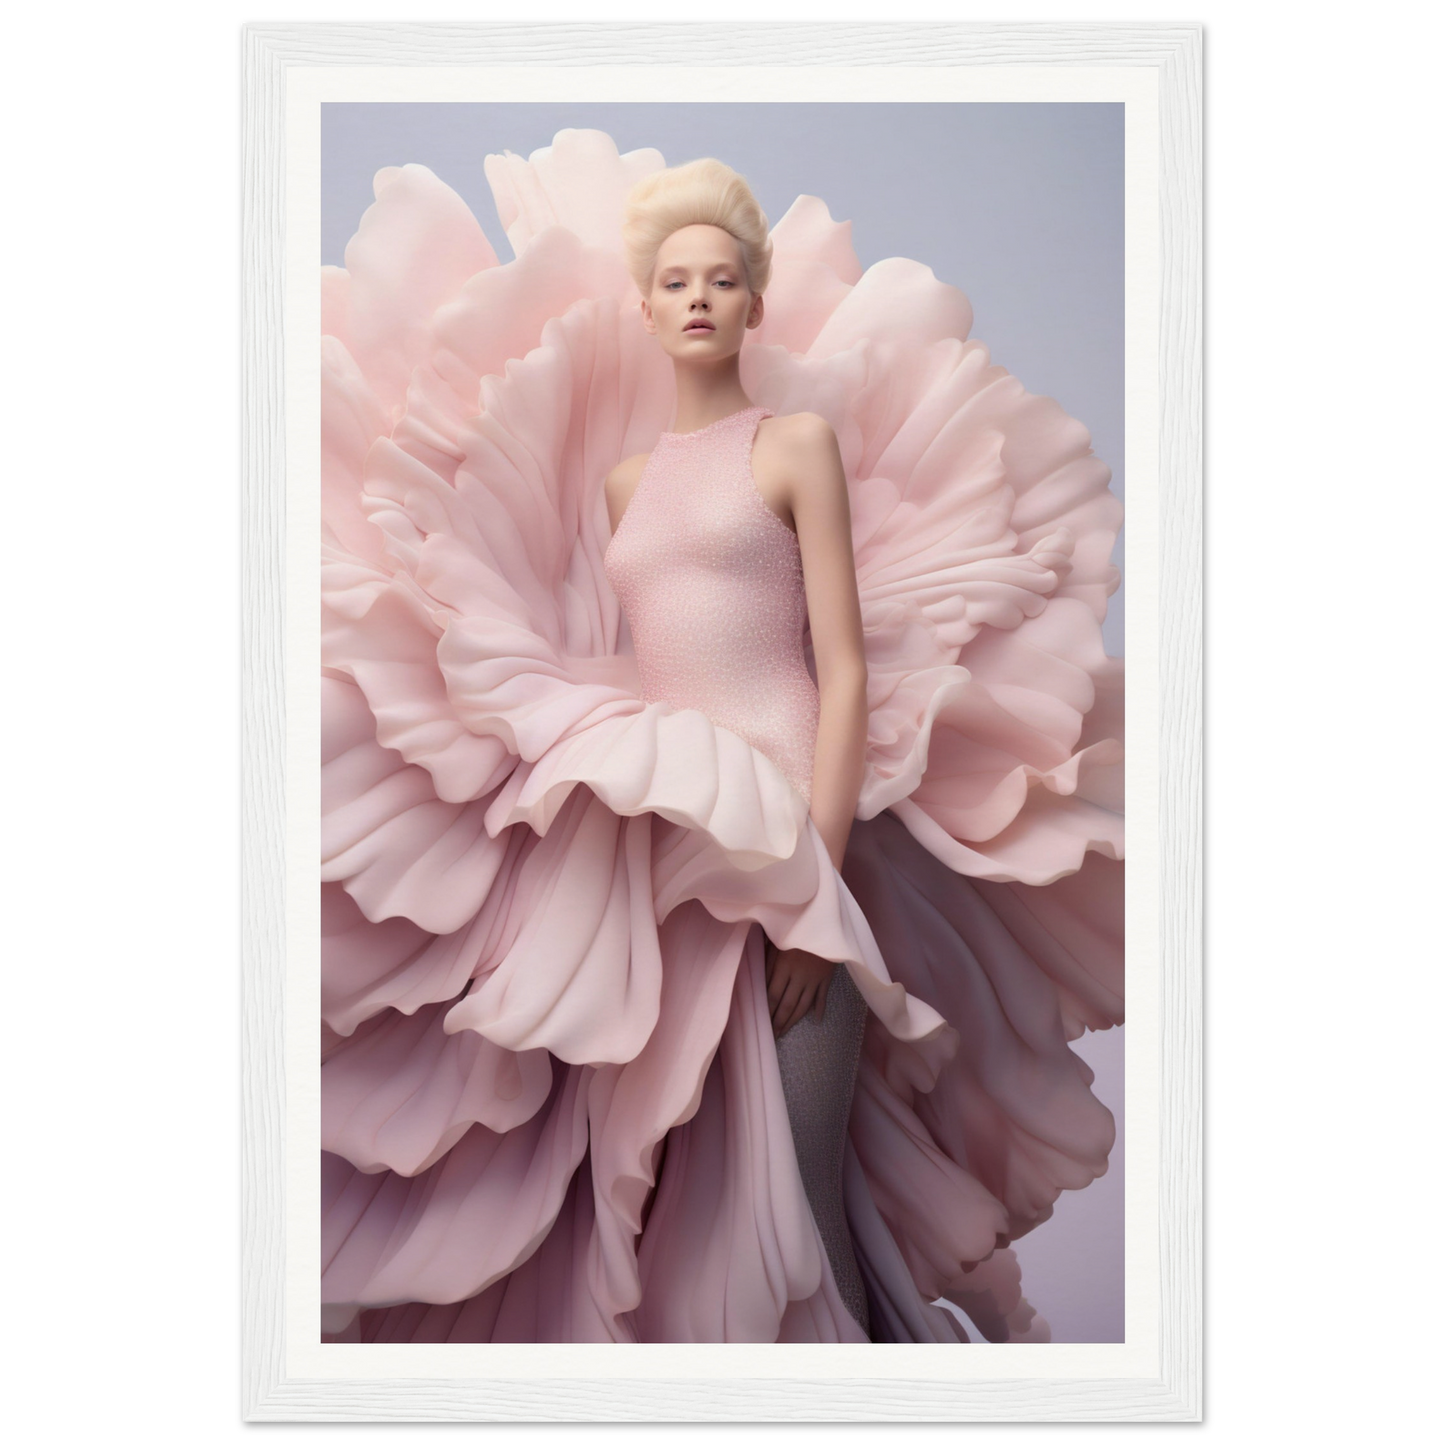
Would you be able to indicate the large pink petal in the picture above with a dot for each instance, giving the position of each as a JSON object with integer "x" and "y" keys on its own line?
{"x": 400, "y": 1092}
{"x": 367, "y": 967}
{"x": 1013, "y": 1105}
{"x": 582, "y": 976}
{"x": 390, "y": 653}
{"x": 896, "y": 300}
{"x": 385, "y": 834}
{"x": 579, "y": 182}
{"x": 351, "y": 420}
{"x": 415, "y": 247}
{"x": 673, "y": 762}
{"x": 1074, "y": 931}
{"x": 546, "y": 1299}
{"x": 498, "y": 317}
{"x": 814, "y": 267}
{"x": 940, "y": 1216}
{"x": 1047, "y": 840}
{"x": 467, "y": 1221}
{"x": 992, "y": 1297}
{"x": 731, "y": 1239}
{"x": 897, "y": 1312}
{"x": 632, "y": 1106}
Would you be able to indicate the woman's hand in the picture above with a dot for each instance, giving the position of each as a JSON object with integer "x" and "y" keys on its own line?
{"x": 797, "y": 981}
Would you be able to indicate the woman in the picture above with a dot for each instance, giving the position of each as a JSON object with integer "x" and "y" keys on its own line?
{"x": 592, "y": 838}
{"x": 723, "y": 625}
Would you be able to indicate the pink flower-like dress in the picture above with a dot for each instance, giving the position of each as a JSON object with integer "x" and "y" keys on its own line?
{"x": 565, "y": 798}
{"x": 711, "y": 581}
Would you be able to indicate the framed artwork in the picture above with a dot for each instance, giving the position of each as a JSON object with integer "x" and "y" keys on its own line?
{"x": 1054, "y": 175}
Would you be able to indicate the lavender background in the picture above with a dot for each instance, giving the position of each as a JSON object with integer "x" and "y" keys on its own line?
{"x": 1019, "y": 205}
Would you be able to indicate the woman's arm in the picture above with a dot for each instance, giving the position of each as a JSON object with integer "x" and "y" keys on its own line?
{"x": 816, "y": 490}
{"x": 819, "y": 500}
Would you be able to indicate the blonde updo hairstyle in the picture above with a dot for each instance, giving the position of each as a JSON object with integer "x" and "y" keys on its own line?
{"x": 703, "y": 192}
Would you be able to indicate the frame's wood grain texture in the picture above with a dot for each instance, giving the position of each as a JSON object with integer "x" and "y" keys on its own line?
{"x": 1174, "y": 50}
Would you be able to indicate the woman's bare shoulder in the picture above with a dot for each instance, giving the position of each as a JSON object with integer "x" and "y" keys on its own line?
{"x": 623, "y": 478}
{"x": 806, "y": 423}
{"x": 629, "y": 466}
{"x": 803, "y": 429}
{"x": 621, "y": 482}
{"x": 800, "y": 456}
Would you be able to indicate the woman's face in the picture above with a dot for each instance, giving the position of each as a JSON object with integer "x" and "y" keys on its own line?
{"x": 700, "y": 306}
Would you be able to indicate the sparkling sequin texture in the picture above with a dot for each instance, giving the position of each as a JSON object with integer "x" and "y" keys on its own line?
{"x": 818, "y": 1060}
{"x": 710, "y": 580}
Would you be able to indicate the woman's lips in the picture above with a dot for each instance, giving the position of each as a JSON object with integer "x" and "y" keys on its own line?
{"x": 696, "y": 326}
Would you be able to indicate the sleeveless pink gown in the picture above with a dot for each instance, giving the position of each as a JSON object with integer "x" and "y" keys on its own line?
{"x": 710, "y": 579}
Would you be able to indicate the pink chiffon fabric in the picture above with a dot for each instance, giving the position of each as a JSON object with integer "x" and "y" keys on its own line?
{"x": 550, "y": 1100}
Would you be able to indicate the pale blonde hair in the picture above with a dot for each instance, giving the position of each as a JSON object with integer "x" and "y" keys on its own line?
{"x": 702, "y": 192}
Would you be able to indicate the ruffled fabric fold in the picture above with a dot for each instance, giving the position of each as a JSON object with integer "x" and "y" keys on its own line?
{"x": 730, "y": 1214}
{"x": 1012, "y": 1107}
{"x": 387, "y": 1238}
{"x": 550, "y": 1098}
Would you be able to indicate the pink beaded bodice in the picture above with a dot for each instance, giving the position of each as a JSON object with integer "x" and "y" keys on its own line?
{"x": 710, "y": 580}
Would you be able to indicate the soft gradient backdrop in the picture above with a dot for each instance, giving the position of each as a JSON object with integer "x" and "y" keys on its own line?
{"x": 1021, "y": 206}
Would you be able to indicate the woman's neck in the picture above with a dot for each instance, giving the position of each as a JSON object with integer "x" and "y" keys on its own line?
{"x": 706, "y": 397}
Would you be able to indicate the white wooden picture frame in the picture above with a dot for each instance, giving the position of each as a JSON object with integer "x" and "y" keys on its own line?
{"x": 1161, "y": 1379}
